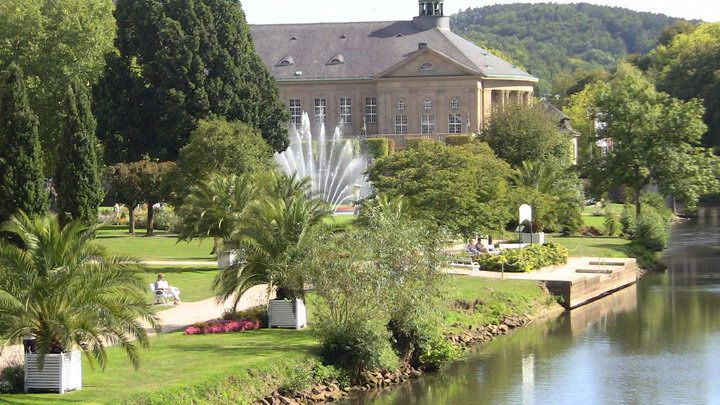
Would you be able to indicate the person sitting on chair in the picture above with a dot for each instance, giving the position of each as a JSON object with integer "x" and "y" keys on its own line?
{"x": 480, "y": 247}
{"x": 471, "y": 248}
{"x": 162, "y": 284}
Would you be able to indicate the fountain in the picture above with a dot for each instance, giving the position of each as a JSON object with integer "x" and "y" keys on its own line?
{"x": 335, "y": 167}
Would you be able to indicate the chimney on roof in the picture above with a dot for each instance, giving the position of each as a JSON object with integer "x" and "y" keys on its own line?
{"x": 432, "y": 16}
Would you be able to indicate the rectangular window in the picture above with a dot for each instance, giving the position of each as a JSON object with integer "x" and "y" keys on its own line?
{"x": 428, "y": 105}
{"x": 401, "y": 105}
{"x": 371, "y": 110}
{"x": 295, "y": 111}
{"x": 401, "y": 124}
{"x": 320, "y": 110}
{"x": 427, "y": 124}
{"x": 455, "y": 123}
{"x": 454, "y": 104}
{"x": 345, "y": 110}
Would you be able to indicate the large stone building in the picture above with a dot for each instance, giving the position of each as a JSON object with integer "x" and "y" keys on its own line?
{"x": 395, "y": 79}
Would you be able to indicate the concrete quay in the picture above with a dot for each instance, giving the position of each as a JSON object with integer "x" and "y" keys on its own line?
{"x": 581, "y": 280}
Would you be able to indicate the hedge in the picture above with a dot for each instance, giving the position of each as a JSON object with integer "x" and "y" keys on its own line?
{"x": 377, "y": 147}
{"x": 524, "y": 260}
{"x": 458, "y": 140}
{"x": 412, "y": 143}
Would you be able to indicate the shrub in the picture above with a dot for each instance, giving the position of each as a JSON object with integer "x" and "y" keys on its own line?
{"x": 377, "y": 147}
{"x": 570, "y": 221}
{"x": 391, "y": 146}
{"x": 166, "y": 219}
{"x": 627, "y": 220}
{"x": 458, "y": 140}
{"x": 412, "y": 143}
{"x": 258, "y": 313}
{"x": 527, "y": 259}
{"x": 651, "y": 231}
{"x": 612, "y": 224}
{"x": 304, "y": 375}
{"x": 357, "y": 347}
{"x": 222, "y": 326}
{"x": 437, "y": 351}
{"x": 12, "y": 379}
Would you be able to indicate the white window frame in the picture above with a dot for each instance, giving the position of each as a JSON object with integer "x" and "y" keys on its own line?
{"x": 401, "y": 105}
{"x": 320, "y": 110}
{"x": 454, "y": 104}
{"x": 401, "y": 124}
{"x": 295, "y": 106}
{"x": 455, "y": 123}
{"x": 346, "y": 110}
{"x": 427, "y": 124}
{"x": 427, "y": 104}
{"x": 371, "y": 110}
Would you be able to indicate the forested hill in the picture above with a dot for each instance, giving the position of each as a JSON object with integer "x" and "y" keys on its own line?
{"x": 554, "y": 41}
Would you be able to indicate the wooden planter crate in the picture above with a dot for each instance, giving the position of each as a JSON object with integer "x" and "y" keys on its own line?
{"x": 287, "y": 314}
{"x": 62, "y": 373}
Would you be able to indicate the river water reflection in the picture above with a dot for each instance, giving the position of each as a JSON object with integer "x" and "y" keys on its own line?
{"x": 654, "y": 343}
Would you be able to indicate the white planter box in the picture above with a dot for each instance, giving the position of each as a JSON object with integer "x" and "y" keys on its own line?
{"x": 287, "y": 314}
{"x": 227, "y": 258}
{"x": 536, "y": 238}
{"x": 62, "y": 373}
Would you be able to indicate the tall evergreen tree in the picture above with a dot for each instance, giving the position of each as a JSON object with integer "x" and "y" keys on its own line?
{"x": 181, "y": 61}
{"x": 78, "y": 176}
{"x": 22, "y": 186}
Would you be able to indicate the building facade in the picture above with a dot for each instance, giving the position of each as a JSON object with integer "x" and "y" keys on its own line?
{"x": 397, "y": 79}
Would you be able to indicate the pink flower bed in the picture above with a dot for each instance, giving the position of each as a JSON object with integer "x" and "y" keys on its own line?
{"x": 222, "y": 327}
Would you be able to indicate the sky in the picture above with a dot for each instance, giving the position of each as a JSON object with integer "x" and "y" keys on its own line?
{"x": 306, "y": 11}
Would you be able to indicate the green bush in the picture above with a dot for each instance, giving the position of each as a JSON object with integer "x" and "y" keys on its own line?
{"x": 612, "y": 224}
{"x": 570, "y": 221}
{"x": 304, "y": 375}
{"x": 12, "y": 379}
{"x": 525, "y": 260}
{"x": 377, "y": 147}
{"x": 458, "y": 140}
{"x": 166, "y": 219}
{"x": 627, "y": 220}
{"x": 258, "y": 313}
{"x": 412, "y": 143}
{"x": 651, "y": 231}
{"x": 391, "y": 146}
{"x": 358, "y": 347}
{"x": 437, "y": 351}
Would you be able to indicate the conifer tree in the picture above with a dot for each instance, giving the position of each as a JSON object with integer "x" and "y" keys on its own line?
{"x": 78, "y": 176}
{"x": 22, "y": 185}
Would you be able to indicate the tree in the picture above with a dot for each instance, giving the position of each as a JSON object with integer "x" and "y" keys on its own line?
{"x": 22, "y": 185}
{"x": 217, "y": 207}
{"x": 459, "y": 188}
{"x": 183, "y": 61}
{"x": 78, "y": 178}
{"x": 273, "y": 240}
{"x": 656, "y": 140}
{"x": 222, "y": 147}
{"x": 63, "y": 290}
{"x": 687, "y": 67}
{"x": 54, "y": 43}
{"x": 140, "y": 182}
{"x": 518, "y": 133}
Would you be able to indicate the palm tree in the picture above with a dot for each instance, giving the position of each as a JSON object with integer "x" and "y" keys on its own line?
{"x": 272, "y": 240}
{"x": 64, "y": 291}
{"x": 216, "y": 207}
{"x": 537, "y": 175}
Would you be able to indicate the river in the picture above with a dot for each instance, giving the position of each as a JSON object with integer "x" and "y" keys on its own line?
{"x": 657, "y": 342}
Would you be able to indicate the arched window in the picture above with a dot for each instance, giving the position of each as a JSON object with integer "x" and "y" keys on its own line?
{"x": 286, "y": 61}
{"x": 337, "y": 59}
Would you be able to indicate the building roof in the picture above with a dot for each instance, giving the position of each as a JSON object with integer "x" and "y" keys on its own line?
{"x": 367, "y": 49}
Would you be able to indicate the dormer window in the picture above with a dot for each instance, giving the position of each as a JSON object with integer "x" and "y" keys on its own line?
{"x": 286, "y": 61}
{"x": 426, "y": 67}
{"x": 338, "y": 59}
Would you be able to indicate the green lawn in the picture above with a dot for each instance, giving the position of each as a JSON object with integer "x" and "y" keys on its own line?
{"x": 590, "y": 217}
{"x": 195, "y": 283}
{"x": 176, "y": 361}
{"x": 595, "y": 246}
{"x": 234, "y": 368}
{"x": 160, "y": 247}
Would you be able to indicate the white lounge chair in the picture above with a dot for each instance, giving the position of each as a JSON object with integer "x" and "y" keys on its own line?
{"x": 161, "y": 294}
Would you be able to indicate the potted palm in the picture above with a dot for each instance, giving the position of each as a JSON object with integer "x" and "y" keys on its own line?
{"x": 272, "y": 241}
{"x": 215, "y": 208}
{"x": 61, "y": 295}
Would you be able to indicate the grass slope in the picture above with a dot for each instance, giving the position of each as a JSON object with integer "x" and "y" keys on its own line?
{"x": 160, "y": 247}
{"x": 195, "y": 283}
